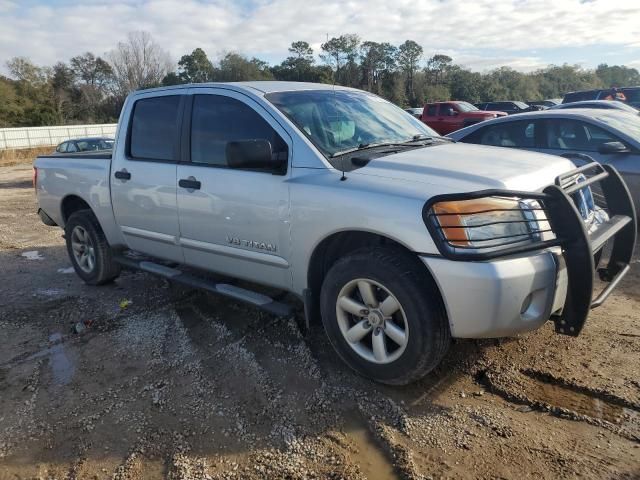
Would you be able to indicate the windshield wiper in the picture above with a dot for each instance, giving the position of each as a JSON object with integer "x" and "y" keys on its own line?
{"x": 365, "y": 146}
{"x": 420, "y": 136}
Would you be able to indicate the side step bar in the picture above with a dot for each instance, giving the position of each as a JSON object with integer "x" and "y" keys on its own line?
{"x": 256, "y": 299}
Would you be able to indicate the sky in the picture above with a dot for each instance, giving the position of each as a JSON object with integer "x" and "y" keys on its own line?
{"x": 479, "y": 34}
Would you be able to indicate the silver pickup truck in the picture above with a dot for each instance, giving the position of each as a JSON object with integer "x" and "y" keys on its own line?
{"x": 396, "y": 238}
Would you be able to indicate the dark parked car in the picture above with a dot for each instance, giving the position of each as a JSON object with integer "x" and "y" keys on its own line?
{"x": 91, "y": 144}
{"x": 630, "y": 95}
{"x": 581, "y": 96}
{"x": 602, "y": 104}
{"x": 607, "y": 136}
{"x": 549, "y": 102}
{"x": 416, "y": 111}
{"x": 510, "y": 107}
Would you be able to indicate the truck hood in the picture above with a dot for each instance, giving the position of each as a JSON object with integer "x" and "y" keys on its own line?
{"x": 484, "y": 113}
{"x": 461, "y": 167}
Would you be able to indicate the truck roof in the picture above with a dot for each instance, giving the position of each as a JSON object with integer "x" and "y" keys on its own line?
{"x": 266, "y": 86}
{"x": 446, "y": 101}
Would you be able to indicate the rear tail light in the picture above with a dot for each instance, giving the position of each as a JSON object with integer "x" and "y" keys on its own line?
{"x": 35, "y": 177}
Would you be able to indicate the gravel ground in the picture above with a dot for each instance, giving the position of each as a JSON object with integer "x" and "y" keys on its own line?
{"x": 166, "y": 382}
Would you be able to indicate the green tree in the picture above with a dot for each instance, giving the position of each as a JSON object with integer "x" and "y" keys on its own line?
{"x": 408, "y": 58}
{"x": 93, "y": 77}
{"x": 234, "y": 67}
{"x": 341, "y": 54}
{"x": 297, "y": 66}
{"x": 617, "y": 75}
{"x": 91, "y": 70}
{"x": 464, "y": 84}
{"x": 437, "y": 67}
{"x": 195, "y": 68}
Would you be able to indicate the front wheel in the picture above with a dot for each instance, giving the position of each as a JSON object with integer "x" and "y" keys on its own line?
{"x": 88, "y": 249}
{"x": 384, "y": 316}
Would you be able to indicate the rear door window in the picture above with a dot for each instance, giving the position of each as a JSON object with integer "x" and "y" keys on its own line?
{"x": 432, "y": 110}
{"x": 71, "y": 147}
{"x": 154, "y": 128}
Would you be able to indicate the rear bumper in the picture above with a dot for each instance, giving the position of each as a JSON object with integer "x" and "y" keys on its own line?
{"x": 46, "y": 219}
{"x": 518, "y": 288}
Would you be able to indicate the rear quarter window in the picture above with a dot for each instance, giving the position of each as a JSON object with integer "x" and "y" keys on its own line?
{"x": 154, "y": 128}
{"x": 432, "y": 110}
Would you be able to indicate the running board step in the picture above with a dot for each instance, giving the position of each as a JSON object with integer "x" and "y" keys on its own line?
{"x": 256, "y": 299}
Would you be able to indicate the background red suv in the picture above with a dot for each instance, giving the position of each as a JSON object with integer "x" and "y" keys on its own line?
{"x": 447, "y": 117}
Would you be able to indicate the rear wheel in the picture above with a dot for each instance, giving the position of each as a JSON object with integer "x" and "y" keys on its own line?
{"x": 88, "y": 249}
{"x": 384, "y": 316}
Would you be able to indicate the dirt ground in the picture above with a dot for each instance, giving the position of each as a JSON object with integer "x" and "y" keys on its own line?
{"x": 166, "y": 382}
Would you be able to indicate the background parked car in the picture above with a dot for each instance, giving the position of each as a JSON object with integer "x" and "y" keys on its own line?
{"x": 607, "y": 136}
{"x": 446, "y": 117}
{"x": 549, "y": 102}
{"x": 630, "y": 95}
{"x": 603, "y": 104}
{"x": 581, "y": 95}
{"x": 416, "y": 111}
{"x": 510, "y": 107}
{"x": 90, "y": 144}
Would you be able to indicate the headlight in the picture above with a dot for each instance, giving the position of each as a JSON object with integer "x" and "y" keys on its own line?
{"x": 489, "y": 223}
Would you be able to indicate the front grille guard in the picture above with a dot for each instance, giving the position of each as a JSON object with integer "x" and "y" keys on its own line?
{"x": 559, "y": 224}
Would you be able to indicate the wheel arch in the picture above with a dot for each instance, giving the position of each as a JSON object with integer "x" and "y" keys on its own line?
{"x": 337, "y": 245}
{"x": 71, "y": 204}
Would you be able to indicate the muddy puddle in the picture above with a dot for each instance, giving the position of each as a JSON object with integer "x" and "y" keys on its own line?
{"x": 582, "y": 403}
{"x": 61, "y": 365}
{"x": 534, "y": 389}
{"x": 367, "y": 453}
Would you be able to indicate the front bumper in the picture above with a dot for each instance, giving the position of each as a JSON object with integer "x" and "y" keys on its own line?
{"x": 499, "y": 298}
{"x": 506, "y": 291}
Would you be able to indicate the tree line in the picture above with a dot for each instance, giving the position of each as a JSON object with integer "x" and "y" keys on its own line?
{"x": 91, "y": 88}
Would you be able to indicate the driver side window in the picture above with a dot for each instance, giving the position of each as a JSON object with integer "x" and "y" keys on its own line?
{"x": 218, "y": 120}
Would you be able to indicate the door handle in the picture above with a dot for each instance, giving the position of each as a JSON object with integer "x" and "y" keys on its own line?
{"x": 123, "y": 175}
{"x": 189, "y": 183}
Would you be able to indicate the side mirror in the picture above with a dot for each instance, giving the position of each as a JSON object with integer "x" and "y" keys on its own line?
{"x": 255, "y": 154}
{"x": 613, "y": 147}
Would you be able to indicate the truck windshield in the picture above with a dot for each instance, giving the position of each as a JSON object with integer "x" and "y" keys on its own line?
{"x": 466, "y": 107}
{"x": 340, "y": 120}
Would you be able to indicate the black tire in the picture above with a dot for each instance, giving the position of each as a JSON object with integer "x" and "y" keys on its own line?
{"x": 402, "y": 275}
{"x": 105, "y": 269}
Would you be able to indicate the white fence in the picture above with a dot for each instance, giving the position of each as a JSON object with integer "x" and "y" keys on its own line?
{"x": 46, "y": 136}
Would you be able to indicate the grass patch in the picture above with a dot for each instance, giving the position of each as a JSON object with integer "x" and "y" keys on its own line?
{"x": 15, "y": 156}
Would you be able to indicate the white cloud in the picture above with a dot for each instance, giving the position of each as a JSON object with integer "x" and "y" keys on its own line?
{"x": 49, "y": 34}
